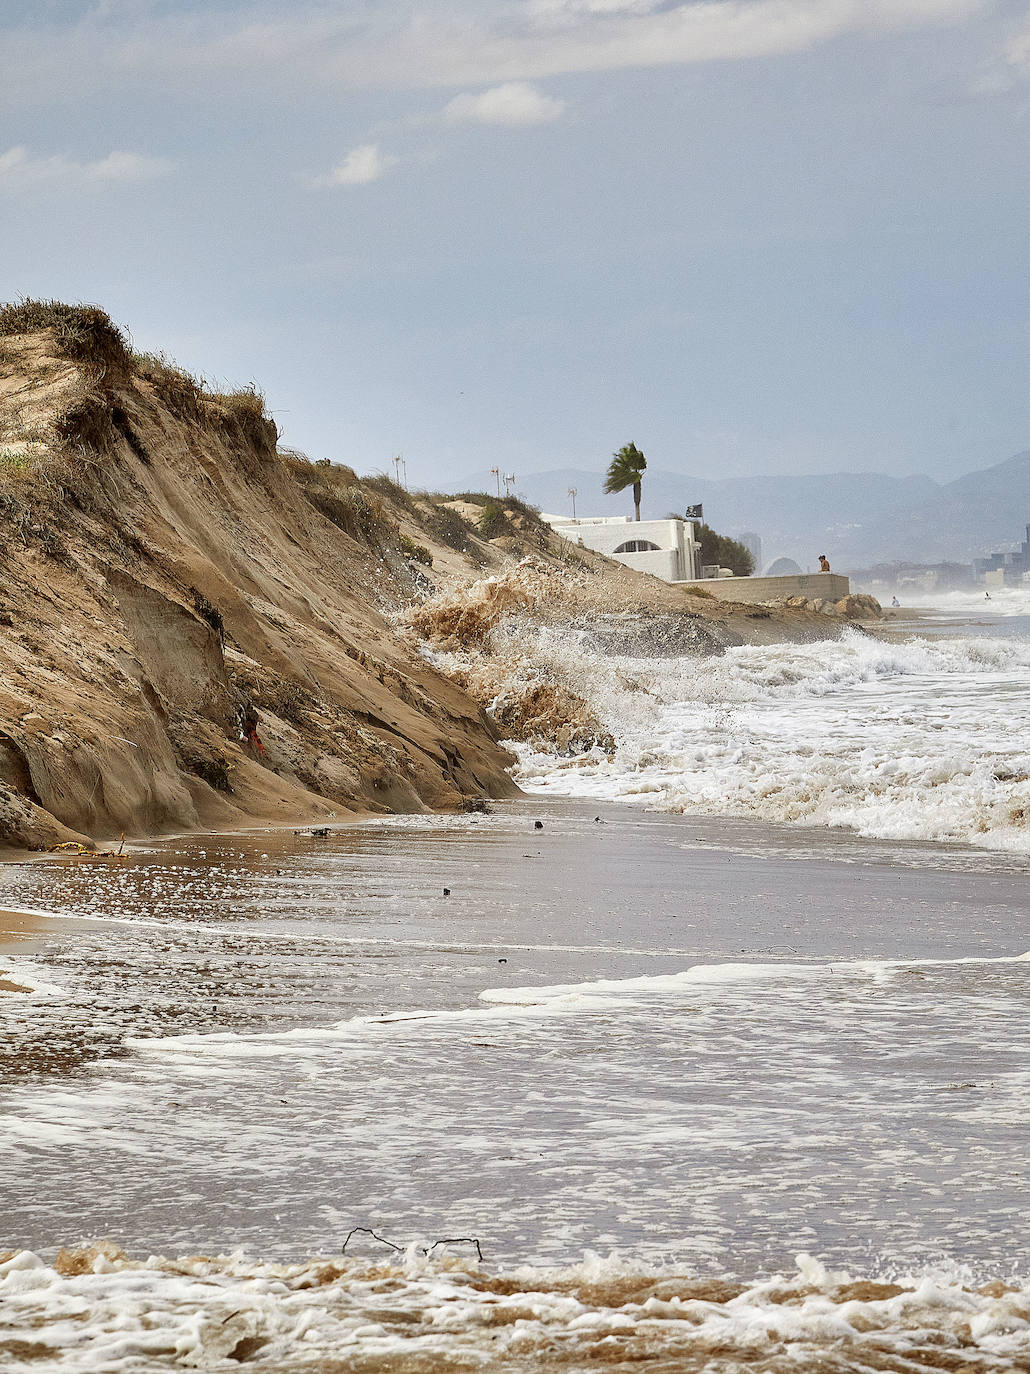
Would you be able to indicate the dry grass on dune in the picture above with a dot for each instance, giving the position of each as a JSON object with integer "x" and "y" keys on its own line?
{"x": 84, "y": 333}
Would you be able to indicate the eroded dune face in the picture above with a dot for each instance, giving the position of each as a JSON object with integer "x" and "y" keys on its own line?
{"x": 171, "y": 583}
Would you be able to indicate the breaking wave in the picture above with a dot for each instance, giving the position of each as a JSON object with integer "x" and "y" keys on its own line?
{"x": 919, "y": 740}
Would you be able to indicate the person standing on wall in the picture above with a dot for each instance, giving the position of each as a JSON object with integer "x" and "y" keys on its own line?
{"x": 824, "y": 563}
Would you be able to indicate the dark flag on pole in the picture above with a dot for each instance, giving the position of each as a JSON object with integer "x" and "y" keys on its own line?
{"x": 694, "y": 512}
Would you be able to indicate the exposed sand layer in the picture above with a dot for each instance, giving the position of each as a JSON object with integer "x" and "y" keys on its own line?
{"x": 168, "y": 576}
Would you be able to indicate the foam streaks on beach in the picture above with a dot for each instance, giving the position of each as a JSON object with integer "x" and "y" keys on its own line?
{"x": 96, "y": 1309}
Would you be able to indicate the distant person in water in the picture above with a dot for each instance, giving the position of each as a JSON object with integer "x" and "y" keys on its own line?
{"x": 824, "y": 563}
{"x": 895, "y": 601}
{"x": 987, "y": 595}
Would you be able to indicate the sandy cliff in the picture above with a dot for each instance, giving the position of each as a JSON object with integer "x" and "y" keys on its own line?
{"x": 163, "y": 574}
{"x": 169, "y": 577}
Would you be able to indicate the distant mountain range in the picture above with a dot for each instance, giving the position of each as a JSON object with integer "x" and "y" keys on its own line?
{"x": 857, "y": 518}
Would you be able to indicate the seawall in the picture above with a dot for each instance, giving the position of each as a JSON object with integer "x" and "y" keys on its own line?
{"x": 812, "y": 586}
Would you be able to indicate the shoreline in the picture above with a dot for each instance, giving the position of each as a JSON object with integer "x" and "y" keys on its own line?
{"x": 810, "y": 841}
{"x": 897, "y": 625}
{"x": 17, "y": 924}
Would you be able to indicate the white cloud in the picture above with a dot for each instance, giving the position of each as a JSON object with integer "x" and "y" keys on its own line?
{"x": 361, "y": 165}
{"x": 1017, "y": 52}
{"x": 409, "y": 43}
{"x": 19, "y": 167}
{"x": 515, "y": 102}
{"x": 1007, "y": 68}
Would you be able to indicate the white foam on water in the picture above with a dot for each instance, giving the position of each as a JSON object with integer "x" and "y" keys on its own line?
{"x": 920, "y": 740}
{"x": 716, "y": 1116}
{"x": 1003, "y": 602}
{"x": 572, "y": 995}
{"x": 28, "y": 980}
{"x": 540, "y": 1002}
{"x": 107, "y": 1312}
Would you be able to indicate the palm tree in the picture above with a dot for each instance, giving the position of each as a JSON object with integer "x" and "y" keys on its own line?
{"x": 625, "y": 470}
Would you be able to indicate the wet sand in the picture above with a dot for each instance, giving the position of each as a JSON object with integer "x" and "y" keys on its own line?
{"x": 17, "y": 930}
{"x": 19, "y": 926}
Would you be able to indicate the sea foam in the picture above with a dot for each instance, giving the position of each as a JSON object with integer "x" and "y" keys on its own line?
{"x": 97, "y": 1309}
{"x": 920, "y": 740}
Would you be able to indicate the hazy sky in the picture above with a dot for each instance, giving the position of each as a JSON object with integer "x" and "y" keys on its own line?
{"x": 749, "y": 235}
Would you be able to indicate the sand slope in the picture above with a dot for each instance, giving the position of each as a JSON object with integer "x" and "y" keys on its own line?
{"x": 135, "y": 518}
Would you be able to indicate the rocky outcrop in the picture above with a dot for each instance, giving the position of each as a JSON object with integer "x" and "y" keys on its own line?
{"x": 857, "y": 606}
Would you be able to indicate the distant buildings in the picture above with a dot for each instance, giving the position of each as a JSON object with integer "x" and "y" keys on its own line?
{"x": 1004, "y": 569}
{"x": 913, "y": 579}
{"x": 664, "y": 548}
{"x": 753, "y": 543}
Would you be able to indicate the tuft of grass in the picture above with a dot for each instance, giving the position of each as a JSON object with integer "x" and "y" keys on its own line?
{"x": 84, "y": 333}
{"x": 87, "y": 423}
{"x": 493, "y": 522}
{"x": 173, "y": 385}
{"x": 15, "y": 462}
{"x": 242, "y": 401}
{"x": 515, "y": 503}
{"x": 334, "y": 491}
{"x": 243, "y": 409}
{"x": 417, "y": 552}
{"x": 243, "y": 413}
{"x": 387, "y": 487}
{"x": 449, "y": 527}
{"x": 526, "y": 522}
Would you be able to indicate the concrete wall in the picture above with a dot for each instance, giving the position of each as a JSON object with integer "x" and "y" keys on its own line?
{"x": 663, "y": 563}
{"x": 813, "y": 586}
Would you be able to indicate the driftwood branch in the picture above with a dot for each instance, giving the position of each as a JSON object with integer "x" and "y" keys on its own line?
{"x": 426, "y": 1250}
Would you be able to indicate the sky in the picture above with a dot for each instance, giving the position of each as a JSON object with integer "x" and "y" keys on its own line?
{"x": 751, "y": 236}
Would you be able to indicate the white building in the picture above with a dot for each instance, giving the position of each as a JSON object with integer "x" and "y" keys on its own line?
{"x": 664, "y": 548}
